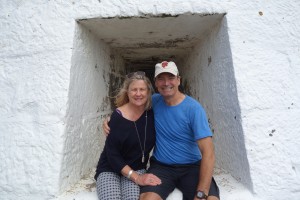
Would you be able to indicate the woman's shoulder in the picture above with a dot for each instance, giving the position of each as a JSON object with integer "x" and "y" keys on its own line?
{"x": 150, "y": 114}
{"x": 150, "y": 111}
{"x": 116, "y": 115}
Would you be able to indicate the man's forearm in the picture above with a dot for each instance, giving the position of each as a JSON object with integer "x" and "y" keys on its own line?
{"x": 206, "y": 172}
{"x": 207, "y": 164}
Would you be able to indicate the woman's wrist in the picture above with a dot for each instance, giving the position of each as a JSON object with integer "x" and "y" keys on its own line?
{"x": 129, "y": 174}
{"x": 133, "y": 176}
{"x": 136, "y": 179}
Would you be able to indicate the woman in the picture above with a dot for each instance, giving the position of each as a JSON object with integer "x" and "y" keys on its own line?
{"x": 122, "y": 164}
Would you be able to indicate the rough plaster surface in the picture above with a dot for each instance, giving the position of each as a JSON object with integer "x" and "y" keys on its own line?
{"x": 246, "y": 74}
{"x": 88, "y": 103}
{"x": 210, "y": 68}
{"x": 230, "y": 188}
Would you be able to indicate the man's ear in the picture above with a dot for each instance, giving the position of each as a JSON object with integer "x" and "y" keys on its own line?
{"x": 155, "y": 84}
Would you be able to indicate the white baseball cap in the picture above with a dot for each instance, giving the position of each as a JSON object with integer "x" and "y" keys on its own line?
{"x": 165, "y": 66}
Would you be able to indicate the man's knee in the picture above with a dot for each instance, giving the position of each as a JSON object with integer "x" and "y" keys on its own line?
{"x": 150, "y": 196}
{"x": 212, "y": 198}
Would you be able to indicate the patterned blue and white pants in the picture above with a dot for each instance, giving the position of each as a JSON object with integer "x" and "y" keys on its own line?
{"x": 111, "y": 186}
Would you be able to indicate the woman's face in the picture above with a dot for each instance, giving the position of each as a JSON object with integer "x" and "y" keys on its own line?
{"x": 138, "y": 93}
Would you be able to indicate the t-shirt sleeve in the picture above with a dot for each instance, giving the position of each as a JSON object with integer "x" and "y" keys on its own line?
{"x": 199, "y": 122}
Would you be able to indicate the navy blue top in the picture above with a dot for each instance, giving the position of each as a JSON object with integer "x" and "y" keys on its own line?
{"x": 122, "y": 146}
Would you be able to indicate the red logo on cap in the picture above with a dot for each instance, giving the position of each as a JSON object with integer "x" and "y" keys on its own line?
{"x": 164, "y": 64}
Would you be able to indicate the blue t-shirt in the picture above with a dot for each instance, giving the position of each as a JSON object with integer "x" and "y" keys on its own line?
{"x": 177, "y": 130}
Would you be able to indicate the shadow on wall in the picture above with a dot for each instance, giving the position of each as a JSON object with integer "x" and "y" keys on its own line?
{"x": 208, "y": 75}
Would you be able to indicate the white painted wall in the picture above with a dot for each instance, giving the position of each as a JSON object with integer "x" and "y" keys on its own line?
{"x": 266, "y": 61}
{"x": 46, "y": 138}
{"x": 210, "y": 68}
{"x": 35, "y": 59}
{"x": 88, "y": 103}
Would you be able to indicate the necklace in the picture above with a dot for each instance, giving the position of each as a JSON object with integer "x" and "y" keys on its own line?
{"x": 137, "y": 132}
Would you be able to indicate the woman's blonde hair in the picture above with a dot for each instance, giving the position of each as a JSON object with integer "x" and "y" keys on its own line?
{"x": 122, "y": 97}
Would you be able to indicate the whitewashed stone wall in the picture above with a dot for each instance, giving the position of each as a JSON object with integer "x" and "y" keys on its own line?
{"x": 88, "y": 102}
{"x": 53, "y": 71}
{"x": 210, "y": 67}
{"x": 266, "y": 63}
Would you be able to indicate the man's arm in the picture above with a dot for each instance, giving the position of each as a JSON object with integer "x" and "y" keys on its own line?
{"x": 206, "y": 147}
{"x": 105, "y": 126}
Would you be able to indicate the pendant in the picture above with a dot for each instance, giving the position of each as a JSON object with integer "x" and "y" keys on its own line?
{"x": 143, "y": 159}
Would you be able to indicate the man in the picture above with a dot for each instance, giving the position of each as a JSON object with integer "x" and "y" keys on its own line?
{"x": 183, "y": 156}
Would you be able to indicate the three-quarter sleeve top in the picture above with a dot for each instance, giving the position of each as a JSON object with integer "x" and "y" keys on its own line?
{"x": 122, "y": 145}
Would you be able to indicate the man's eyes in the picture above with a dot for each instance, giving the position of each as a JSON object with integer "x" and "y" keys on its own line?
{"x": 169, "y": 78}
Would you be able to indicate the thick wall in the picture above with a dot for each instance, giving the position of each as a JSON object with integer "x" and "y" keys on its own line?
{"x": 35, "y": 59}
{"x": 89, "y": 102}
{"x": 42, "y": 126}
{"x": 209, "y": 77}
{"x": 265, "y": 54}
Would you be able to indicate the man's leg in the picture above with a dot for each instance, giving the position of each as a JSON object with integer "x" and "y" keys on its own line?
{"x": 214, "y": 192}
{"x": 189, "y": 181}
{"x": 150, "y": 196}
{"x": 167, "y": 176}
{"x": 212, "y": 198}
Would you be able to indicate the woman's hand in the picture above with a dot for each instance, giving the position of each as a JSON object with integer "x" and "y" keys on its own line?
{"x": 148, "y": 179}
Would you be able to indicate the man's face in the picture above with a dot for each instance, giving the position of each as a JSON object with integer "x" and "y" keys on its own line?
{"x": 167, "y": 84}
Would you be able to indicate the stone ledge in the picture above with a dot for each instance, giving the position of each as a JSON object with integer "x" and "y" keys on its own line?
{"x": 230, "y": 189}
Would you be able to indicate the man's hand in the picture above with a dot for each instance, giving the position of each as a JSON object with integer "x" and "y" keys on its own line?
{"x": 105, "y": 126}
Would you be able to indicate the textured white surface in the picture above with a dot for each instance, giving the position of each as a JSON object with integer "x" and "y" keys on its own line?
{"x": 88, "y": 103}
{"x": 54, "y": 81}
{"x": 229, "y": 188}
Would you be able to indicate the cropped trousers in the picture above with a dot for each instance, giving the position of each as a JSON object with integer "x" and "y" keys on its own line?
{"x": 112, "y": 186}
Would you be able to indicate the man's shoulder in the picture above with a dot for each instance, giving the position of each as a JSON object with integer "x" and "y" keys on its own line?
{"x": 192, "y": 100}
{"x": 193, "y": 103}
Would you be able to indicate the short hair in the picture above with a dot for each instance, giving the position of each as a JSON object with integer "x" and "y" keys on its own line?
{"x": 122, "y": 97}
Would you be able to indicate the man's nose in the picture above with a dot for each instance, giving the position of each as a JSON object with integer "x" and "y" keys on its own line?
{"x": 166, "y": 81}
